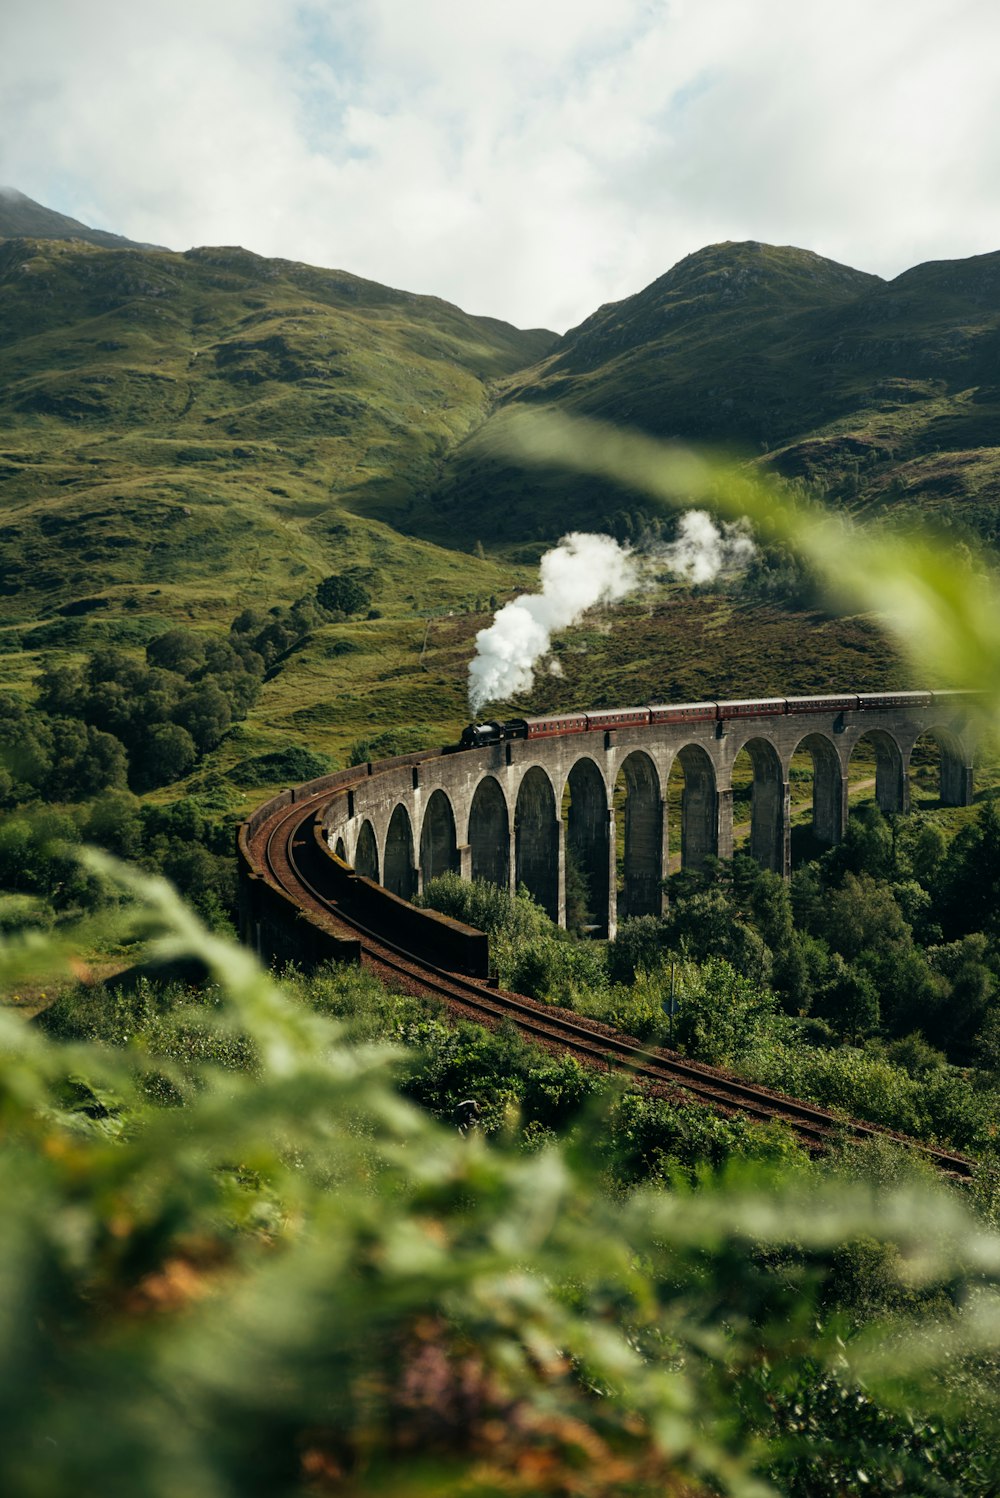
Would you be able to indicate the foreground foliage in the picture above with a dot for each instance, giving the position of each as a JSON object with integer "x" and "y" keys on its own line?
{"x": 236, "y": 1260}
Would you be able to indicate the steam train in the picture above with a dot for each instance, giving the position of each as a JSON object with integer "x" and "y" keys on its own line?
{"x": 478, "y": 734}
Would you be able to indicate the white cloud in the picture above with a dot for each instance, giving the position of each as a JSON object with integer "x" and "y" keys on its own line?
{"x": 530, "y": 160}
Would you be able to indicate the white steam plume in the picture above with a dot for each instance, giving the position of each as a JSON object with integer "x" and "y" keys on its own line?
{"x": 584, "y": 570}
{"x": 702, "y": 549}
{"x": 581, "y": 571}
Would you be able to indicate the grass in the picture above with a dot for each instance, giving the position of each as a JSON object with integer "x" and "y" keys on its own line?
{"x": 194, "y": 429}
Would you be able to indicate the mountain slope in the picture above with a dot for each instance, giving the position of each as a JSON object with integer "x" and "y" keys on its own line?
{"x": 880, "y": 392}
{"x": 172, "y": 422}
{"x": 704, "y": 350}
{"x": 22, "y": 217}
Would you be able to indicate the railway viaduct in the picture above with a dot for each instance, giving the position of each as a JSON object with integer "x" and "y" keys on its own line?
{"x": 509, "y": 812}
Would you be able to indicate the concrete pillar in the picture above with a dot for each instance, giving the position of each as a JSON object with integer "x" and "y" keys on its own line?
{"x": 829, "y": 803}
{"x": 843, "y": 809}
{"x": 438, "y": 853}
{"x": 661, "y": 903}
{"x": 539, "y": 857}
{"x": 587, "y": 837}
{"x": 465, "y": 862}
{"x": 561, "y": 872}
{"x": 957, "y": 781}
{"x": 829, "y": 817}
{"x": 786, "y": 832}
{"x": 702, "y": 832}
{"x": 724, "y": 823}
{"x": 892, "y": 784}
{"x": 612, "y": 875}
{"x": 768, "y": 812}
{"x": 511, "y": 860}
{"x": 645, "y": 859}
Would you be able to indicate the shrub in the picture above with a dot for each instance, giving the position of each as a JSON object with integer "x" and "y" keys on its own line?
{"x": 341, "y": 593}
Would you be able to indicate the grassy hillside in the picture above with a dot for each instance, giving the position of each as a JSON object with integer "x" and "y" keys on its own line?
{"x": 185, "y": 436}
{"x": 879, "y": 393}
{"x": 184, "y": 431}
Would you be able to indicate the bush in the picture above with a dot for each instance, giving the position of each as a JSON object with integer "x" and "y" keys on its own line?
{"x": 292, "y": 765}
{"x": 341, "y": 593}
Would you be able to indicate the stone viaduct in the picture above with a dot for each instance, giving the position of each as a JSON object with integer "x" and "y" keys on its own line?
{"x": 508, "y": 812}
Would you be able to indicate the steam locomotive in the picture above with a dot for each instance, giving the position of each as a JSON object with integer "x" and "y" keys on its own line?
{"x": 478, "y": 734}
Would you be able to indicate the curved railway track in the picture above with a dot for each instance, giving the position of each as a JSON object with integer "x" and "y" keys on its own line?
{"x": 285, "y": 849}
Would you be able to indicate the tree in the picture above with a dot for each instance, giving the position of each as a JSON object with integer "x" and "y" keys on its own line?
{"x": 205, "y": 713}
{"x": 168, "y": 753}
{"x": 25, "y": 747}
{"x": 179, "y": 650}
{"x": 967, "y": 892}
{"x": 114, "y": 822}
{"x": 85, "y": 761}
{"x": 851, "y": 1001}
{"x": 342, "y": 594}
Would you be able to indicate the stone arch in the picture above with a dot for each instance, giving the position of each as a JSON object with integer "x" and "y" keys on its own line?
{"x": 438, "y": 843}
{"x": 588, "y": 839}
{"x": 955, "y": 772}
{"x": 892, "y": 792}
{"x": 489, "y": 834}
{"x": 536, "y": 840}
{"x": 642, "y": 873}
{"x": 366, "y": 853}
{"x": 400, "y": 876}
{"x": 340, "y": 849}
{"x": 768, "y": 842}
{"x": 829, "y": 787}
{"x": 699, "y": 806}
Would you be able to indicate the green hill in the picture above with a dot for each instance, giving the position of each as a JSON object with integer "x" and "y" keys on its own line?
{"x": 879, "y": 392}
{"x": 186, "y": 436}
{"x": 185, "y": 427}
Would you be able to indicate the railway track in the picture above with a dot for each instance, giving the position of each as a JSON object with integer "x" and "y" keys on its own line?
{"x": 286, "y": 850}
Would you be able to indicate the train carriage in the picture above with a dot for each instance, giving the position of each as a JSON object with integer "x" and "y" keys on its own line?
{"x": 547, "y": 728}
{"x": 618, "y": 717}
{"x": 842, "y": 704}
{"x": 894, "y": 699}
{"x": 684, "y": 712}
{"x": 760, "y": 707}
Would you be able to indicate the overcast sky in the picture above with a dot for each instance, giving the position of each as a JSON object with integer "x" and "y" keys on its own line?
{"x": 528, "y": 159}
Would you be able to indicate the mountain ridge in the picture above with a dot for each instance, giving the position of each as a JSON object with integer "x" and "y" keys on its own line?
{"x": 21, "y": 216}
{"x": 829, "y": 375}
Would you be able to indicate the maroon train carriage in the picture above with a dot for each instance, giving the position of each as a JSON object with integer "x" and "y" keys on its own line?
{"x": 684, "y": 712}
{"x": 842, "y": 704}
{"x": 618, "y": 717}
{"x": 761, "y": 707}
{"x": 548, "y": 728}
